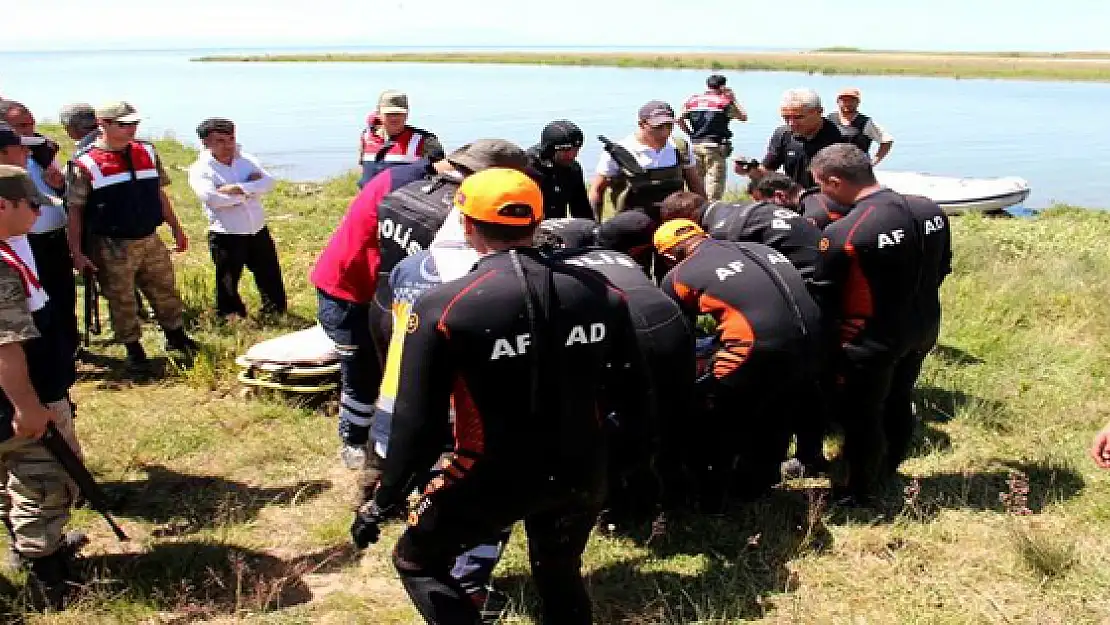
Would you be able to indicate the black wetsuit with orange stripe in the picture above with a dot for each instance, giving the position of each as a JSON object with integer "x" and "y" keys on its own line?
{"x": 755, "y": 293}
{"x": 758, "y": 298}
{"x": 819, "y": 209}
{"x": 874, "y": 259}
{"x": 764, "y": 372}
{"x": 526, "y": 377}
{"x": 522, "y": 347}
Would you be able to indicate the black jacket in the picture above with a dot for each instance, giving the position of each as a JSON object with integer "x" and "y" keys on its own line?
{"x": 563, "y": 186}
{"x": 527, "y": 375}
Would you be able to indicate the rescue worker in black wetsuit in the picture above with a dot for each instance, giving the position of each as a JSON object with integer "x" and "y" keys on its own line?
{"x": 820, "y": 210}
{"x": 666, "y": 340}
{"x": 874, "y": 260}
{"x": 772, "y": 221}
{"x": 520, "y": 347}
{"x": 408, "y": 218}
{"x": 769, "y": 330}
{"x": 898, "y": 409}
{"x": 630, "y": 233}
{"x": 554, "y": 162}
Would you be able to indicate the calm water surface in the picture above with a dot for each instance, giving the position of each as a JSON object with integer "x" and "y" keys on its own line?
{"x": 303, "y": 119}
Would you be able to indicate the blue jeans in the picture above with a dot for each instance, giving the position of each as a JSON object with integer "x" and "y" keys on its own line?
{"x": 348, "y": 325}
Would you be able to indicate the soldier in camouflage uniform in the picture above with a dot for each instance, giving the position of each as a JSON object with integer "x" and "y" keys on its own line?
{"x": 37, "y": 492}
{"x": 115, "y": 198}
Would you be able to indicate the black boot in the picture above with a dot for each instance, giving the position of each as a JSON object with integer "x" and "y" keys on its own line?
{"x": 53, "y": 578}
{"x": 136, "y": 355}
{"x": 179, "y": 341}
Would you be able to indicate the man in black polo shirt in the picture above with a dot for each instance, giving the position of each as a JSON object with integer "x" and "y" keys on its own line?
{"x": 794, "y": 144}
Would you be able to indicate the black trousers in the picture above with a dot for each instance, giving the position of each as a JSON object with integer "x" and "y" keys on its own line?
{"x": 746, "y": 426}
{"x": 231, "y": 253}
{"x": 638, "y": 482}
{"x": 56, "y": 275}
{"x": 898, "y": 419}
{"x": 863, "y": 388}
{"x": 457, "y": 517}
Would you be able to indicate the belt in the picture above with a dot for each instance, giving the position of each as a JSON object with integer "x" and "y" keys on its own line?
{"x": 49, "y": 233}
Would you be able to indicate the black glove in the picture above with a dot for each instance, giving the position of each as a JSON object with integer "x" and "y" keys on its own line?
{"x": 364, "y": 529}
{"x": 707, "y": 387}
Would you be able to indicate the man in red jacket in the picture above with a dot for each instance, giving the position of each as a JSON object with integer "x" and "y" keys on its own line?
{"x": 347, "y": 273}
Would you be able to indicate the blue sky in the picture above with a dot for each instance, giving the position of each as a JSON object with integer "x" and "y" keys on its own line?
{"x": 888, "y": 24}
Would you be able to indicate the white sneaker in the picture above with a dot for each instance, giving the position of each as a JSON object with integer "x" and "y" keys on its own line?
{"x": 353, "y": 456}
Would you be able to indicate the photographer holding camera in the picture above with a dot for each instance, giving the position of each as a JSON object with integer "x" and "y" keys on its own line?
{"x": 804, "y": 133}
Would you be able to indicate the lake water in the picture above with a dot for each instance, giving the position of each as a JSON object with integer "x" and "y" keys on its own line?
{"x": 303, "y": 120}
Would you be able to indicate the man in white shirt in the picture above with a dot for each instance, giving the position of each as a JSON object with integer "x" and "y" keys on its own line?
{"x": 230, "y": 184}
{"x": 646, "y": 166}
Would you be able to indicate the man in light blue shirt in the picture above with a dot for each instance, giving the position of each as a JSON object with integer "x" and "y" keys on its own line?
{"x": 230, "y": 185}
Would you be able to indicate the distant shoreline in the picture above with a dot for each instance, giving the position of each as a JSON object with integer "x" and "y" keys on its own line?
{"x": 1067, "y": 66}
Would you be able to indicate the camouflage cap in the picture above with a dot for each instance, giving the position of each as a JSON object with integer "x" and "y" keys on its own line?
{"x": 15, "y": 184}
{"x": 393, "y": 102}
{"x": 118, "y": 112}
{"x": 78, "y": 116}
{"x": 486, "y": 153}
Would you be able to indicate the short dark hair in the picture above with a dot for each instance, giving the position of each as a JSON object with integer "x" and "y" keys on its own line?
{"x": 715, "y": 81}
{"x": 215, "y": 124}
{"x": 7, "y": 106}
{"x": 775, "y": 181}
{"x": 845, "y": 161}
{"x": 681, "y": 205}
{"x": 549, "y": 239}
{"x": 500, "y": 233}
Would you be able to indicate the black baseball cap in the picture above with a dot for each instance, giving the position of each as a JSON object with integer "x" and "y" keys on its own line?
{"x": 561, "y": 134}
{"x": 715, "y": 81}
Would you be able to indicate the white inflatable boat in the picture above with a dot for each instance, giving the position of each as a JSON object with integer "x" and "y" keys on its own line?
{"x": 959, "y": 195}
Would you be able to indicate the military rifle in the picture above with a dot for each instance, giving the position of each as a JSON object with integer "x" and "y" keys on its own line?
{"x": 624, "y": 159}
{"x": 63, "y": 453}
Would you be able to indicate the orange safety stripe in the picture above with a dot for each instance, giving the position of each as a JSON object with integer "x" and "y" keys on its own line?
{"x": 737, "y": 335}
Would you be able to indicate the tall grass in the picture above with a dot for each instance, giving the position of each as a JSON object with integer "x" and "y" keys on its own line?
{"x": 1022, "y": 66}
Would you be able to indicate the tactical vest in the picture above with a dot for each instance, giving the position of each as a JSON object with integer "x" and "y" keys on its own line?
{"x": 380, "y": 153}
{"x": 125, "y": 201}
{"x": 409, "y": 218}
{"x": 646, "y": 191}
{"x": 708, "y": 113}
{"x": 853, "y": 132}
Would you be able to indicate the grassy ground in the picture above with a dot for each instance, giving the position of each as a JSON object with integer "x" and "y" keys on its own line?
{"x": 239, "y": 511}
{"x": 1014, "y": 65}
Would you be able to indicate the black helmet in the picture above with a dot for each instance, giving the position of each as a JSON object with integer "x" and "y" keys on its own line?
{"x": 561, "y": 135}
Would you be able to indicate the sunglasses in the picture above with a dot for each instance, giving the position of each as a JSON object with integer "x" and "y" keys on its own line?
{"x": 126, "y": 124}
